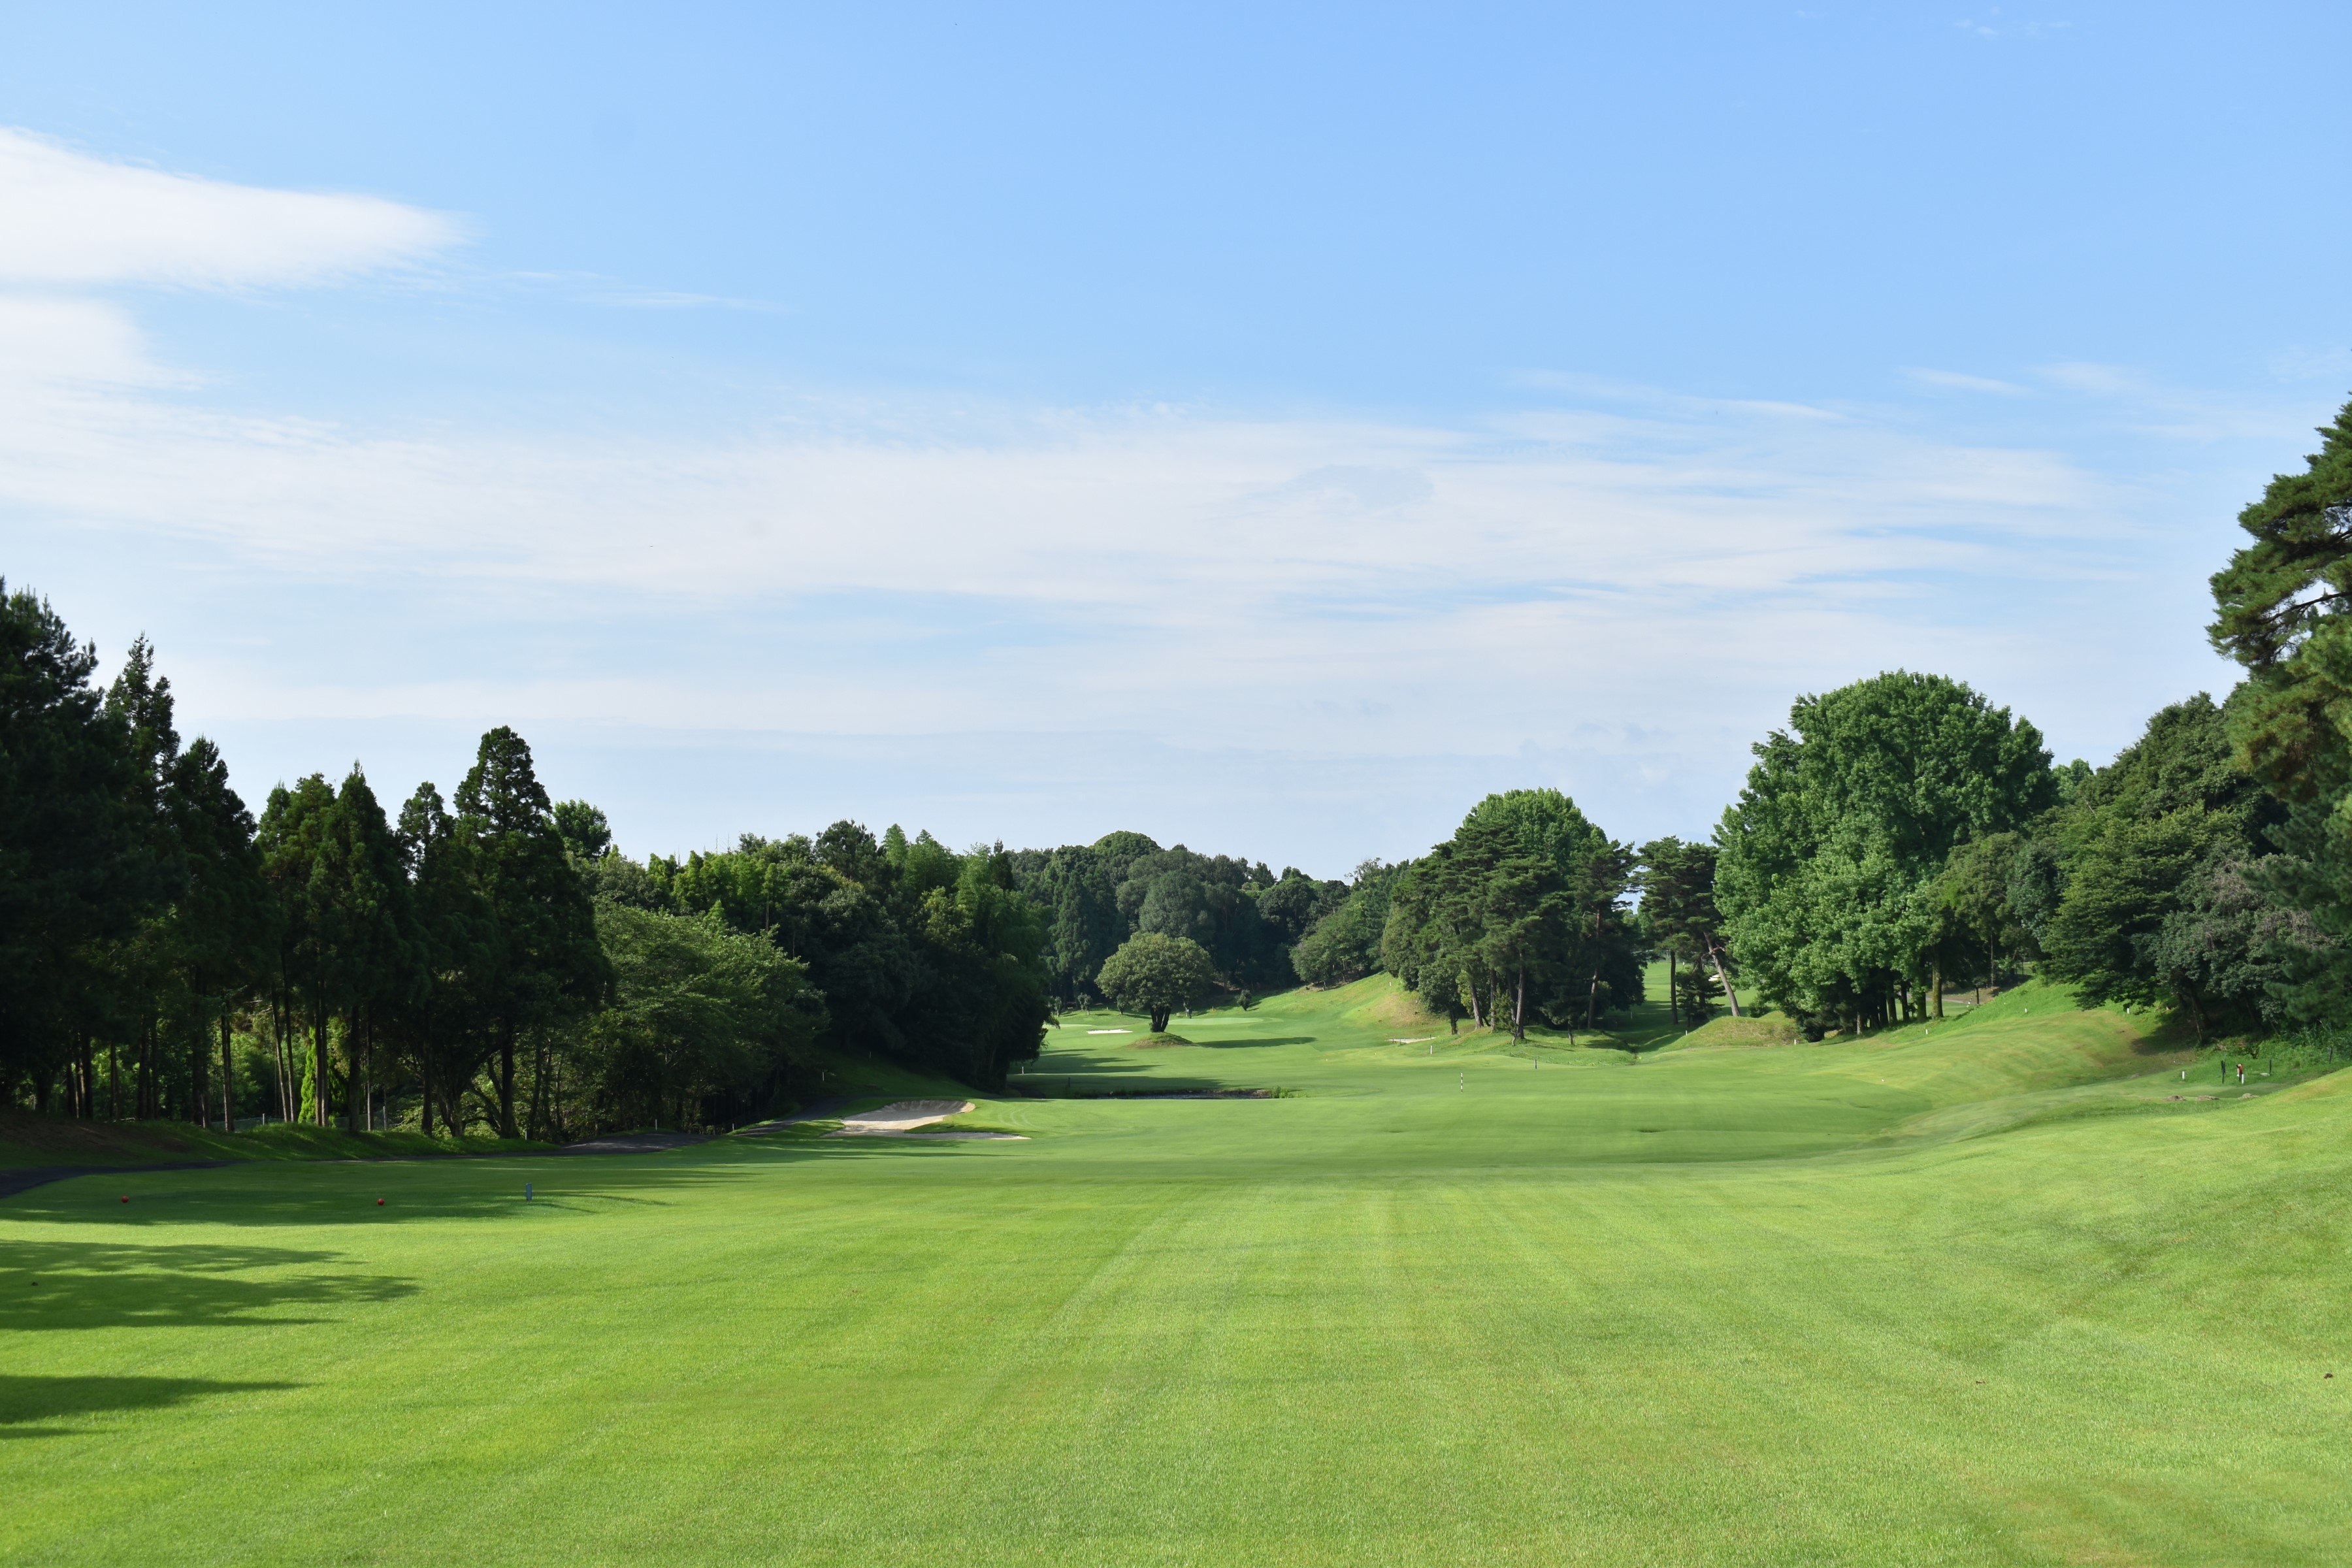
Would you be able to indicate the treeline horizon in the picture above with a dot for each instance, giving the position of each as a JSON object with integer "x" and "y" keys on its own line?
{"x": 497, "y": 960}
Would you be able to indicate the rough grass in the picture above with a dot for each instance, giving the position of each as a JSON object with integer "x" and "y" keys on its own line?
{"x": 1839, "y": 1303}
{"x": 27, "y": 1141}
{"x": 1772, "y": 1029}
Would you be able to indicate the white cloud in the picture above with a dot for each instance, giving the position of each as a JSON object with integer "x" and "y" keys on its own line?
{"x": 1961, "y": 382}
{"x": 1270, "y": 581}
{"x": 1146, "y": 511}
{"x": 46, "y": 338}
{"x": 69, "y": 219}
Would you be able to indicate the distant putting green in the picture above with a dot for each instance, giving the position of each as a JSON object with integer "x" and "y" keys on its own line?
{"x": 1978, "y": 1293}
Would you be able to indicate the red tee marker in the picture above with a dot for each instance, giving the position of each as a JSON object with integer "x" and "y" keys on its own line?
{"x": 378, "y": 1203}
{"x": 126, "y": 1197}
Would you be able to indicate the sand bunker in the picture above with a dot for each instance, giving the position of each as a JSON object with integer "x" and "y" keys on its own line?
{"x": 902, "y": 1118}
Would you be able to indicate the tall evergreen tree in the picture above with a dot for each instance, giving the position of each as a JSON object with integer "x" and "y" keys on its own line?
{"x": 76, "y": 867}
{"x": 2162, "y": 859}
{"x": 1679, "y": 913}
{"x": 2284, "y": 610}
{"x": 359, "y": 897}
{"x": 291, "y": 840}
{"x": 543, "y": 961}
{"x": 439, "y": 1022}
{"x": 223, "y": 925}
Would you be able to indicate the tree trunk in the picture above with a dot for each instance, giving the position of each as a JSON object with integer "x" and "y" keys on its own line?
{"x": 506, "y": 1082}
{"x": 200, "y": 1091}
{"x": 1673, "y": 1008}
{"x": 1936, "y": 990}
{"x": 1731, "y": 997}
{"x": 355, "y": 1094}
{"x": 228, "y": 1077}
{"x": 538, "y": 1117}
{"x": 277, "y": 1051}
{"x": 1519, "y": 1007}
{"x": 289, "y": 1082}
{"x": 2194, "y": 1007}
{"x": 1992, "y": 964}
{"x": 424, "y": 1081}
{"x": 1159, "y": 1019}
{"x": 319, "y": 1066}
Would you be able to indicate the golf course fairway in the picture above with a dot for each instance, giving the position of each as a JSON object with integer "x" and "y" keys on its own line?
{"x": 1978, "y": 1292}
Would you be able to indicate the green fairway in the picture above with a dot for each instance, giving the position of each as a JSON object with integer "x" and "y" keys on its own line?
{"x": 1973, "y": 1293}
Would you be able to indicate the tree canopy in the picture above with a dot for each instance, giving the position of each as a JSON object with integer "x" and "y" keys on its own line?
{"x": 1519, "y": 917}
{"x": 1831, "y": 856}
{"x": 1155, "y": 973}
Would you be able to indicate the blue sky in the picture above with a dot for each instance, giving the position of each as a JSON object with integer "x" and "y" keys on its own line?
{"x": 1264, "y": 427}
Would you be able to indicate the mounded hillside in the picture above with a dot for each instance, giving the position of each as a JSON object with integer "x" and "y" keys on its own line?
{"x": 1772, "y": 1029}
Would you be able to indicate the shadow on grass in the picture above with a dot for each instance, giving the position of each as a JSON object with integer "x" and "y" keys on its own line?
{"x": 100, "y": 1285}
{"x": 1256, "y": 1042}
{"x": 27, "y": 1404}
{"x": 252, "y": 1195}
{"x": 1122, "y": 1083}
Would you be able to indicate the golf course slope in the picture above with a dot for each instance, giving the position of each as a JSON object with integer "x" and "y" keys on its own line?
{"x": 1999, "y": 1289}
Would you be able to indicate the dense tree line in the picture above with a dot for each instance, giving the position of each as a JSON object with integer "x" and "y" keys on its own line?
{"x": 490, "y": 960}
{"x": 1093, "y": 897}
{"x": 922, "y": 954}
{"x": 1522, "y": 917}
{"x": 1903, "y": 834}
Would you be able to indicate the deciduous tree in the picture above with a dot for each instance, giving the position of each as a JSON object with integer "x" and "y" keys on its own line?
{"x": 1154, "y": 974}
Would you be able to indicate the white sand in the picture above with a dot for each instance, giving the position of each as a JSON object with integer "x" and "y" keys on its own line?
{"x": 901, "y": 1117}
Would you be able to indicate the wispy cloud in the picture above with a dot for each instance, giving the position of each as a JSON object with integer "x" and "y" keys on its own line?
{"x": 1963, "y": 382}
{"x": 1992, "y": 25}
{"x": 2145, "y": 403}
{"x": 1259, "y": 575}
{"x": 70, "y": 220}
{"x": 595, "y": 288}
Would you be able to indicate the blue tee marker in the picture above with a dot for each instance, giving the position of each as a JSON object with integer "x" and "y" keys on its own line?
{"x": 526, "y": 1191}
